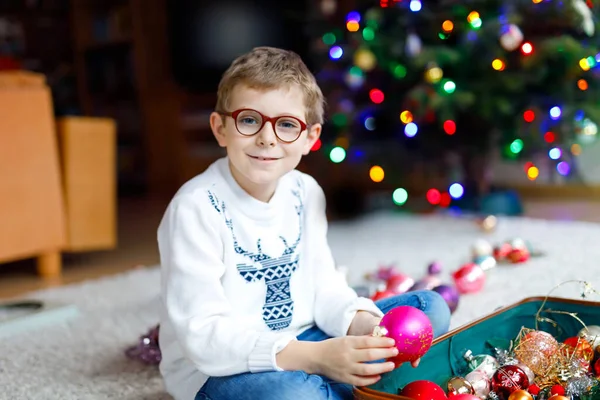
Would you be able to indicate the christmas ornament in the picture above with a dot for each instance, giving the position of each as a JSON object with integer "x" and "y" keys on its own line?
{"x": 147, "y": 349}
{"x": 511, "y": 37}
{"x": 427, "y": 283}
{"x": 399, "y": 283}
{"x": 486, "y": 262}
{"x": 518, "y": 256}
{"x": 480, "y": 382}
{"x": 557, "y": 389}
{"x": 450, "y": 295}
{"x": 543, "y": 342}
{"x": 423, "y": 390}
{"x": 535, "y": 349}
{"x": 518, "y": 243}
{"x": 578, "y": 386}
{"x": 365, "y": 59}
{"x": 508, "y": 379}
{"x": 534, "y": 389}
{"x": 470, "y": 278}
{"x": 592, "y": 334}
{"x": 527, "y": 370}
{"x": 520, "y": 395}
{"x": 410, "y": 328}
{"x": 382, "y": 294}
{"x": 434, "y": 268}
{"x": 581, "y": 347}
{"x": 458, "y": 385}
{"x": 558, "y": 397}
{"x": 465, "y": 396}
{"x": 383, "y": 273}
{"x": 482, "y": 248}
{"x": 489, "y": 223}
{"x": 597, "y": 368}
{"x": 483, "y": 362}
{"x": 502, "y": 251}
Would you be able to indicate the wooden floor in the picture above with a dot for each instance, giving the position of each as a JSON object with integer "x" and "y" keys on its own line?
{"x": 139, "y": 218}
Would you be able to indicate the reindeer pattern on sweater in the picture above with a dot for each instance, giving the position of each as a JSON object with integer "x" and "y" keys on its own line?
{"x": 274, "y": 271}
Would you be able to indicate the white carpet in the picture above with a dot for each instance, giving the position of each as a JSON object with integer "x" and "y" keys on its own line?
{"x": 83, "y": 358}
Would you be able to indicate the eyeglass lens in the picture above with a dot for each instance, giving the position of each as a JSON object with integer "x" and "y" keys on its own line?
{"x": 249, "y": 123}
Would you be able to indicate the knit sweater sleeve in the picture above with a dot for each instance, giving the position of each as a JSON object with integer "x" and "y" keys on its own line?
{"x": 211, "y": 337}
{"x": 336, "y": 303}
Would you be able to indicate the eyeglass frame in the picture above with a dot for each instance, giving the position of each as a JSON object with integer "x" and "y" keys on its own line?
{"x": 234, "y": 114}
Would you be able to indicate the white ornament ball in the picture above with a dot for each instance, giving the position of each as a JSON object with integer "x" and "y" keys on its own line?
{"x": 482, "y": 248}
{"x": 511, "y": 38}
{"x": 591, "y": 334}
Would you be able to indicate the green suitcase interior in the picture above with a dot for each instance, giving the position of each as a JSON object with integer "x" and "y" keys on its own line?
{"x": 445, "y": 357}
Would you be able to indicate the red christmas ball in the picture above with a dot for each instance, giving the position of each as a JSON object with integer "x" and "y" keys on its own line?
{"x": 582, "y": 347}
{"x": 508, "y": 379}
{"x": 517, "y": 256}
{"x": 382, "y": 294}
{"x": 399, "y": 283}
{"x": 502, "y": 251}
{"x": 597, "y": 367}
{"x": 557, "y": 389}
{"x": 534, "y": 389}
{"x": 424, "y": 390}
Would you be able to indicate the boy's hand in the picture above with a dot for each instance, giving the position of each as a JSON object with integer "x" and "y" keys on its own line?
{"x": 344, "y": 359}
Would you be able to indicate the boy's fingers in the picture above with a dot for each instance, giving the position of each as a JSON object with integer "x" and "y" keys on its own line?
{"x": 363, "y": 369}
{"x": 374, "y": 354}
{"x": 369, "y": 342}
{"x": 364, "y": 380}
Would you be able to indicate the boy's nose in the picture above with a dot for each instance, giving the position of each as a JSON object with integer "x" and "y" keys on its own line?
{"x": 266, "y": 136}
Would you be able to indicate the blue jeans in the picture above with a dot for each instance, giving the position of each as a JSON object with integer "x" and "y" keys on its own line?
{"x": 298, "y": 385}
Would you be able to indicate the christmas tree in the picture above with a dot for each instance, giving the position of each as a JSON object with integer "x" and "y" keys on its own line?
{"x": 444, "y": 82}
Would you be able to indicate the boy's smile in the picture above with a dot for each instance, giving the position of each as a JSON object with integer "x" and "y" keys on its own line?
{"x": 258, "y": 161}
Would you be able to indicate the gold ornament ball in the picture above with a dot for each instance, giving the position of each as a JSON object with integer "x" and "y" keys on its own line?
{"x": 520, "y": 395}
{"x": 535, "y": 351}
{"x": 459, "y": 385}
{"x": 364, "y": 59}
{"x": 559, "y": 397}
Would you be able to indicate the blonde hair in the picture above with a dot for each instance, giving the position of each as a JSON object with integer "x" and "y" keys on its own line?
{"x": 269, "y": 68}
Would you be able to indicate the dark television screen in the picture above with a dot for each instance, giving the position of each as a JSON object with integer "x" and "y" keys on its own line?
{"x": 206, "y": 35}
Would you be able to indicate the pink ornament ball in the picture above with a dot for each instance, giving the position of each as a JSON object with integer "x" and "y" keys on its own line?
{"x": 465, "y": 396}
{"x": 469, "y": 278}
{"x": 410, "y": 328}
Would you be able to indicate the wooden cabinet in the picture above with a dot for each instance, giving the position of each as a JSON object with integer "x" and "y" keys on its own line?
{"x": 88, "y": 159}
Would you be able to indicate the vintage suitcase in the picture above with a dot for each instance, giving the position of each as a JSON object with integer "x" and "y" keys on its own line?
{"x": 445, "y": 357}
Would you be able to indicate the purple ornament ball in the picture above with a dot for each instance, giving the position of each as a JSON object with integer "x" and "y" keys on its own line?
{"x": 449, "y": 294}
{"x": 434, "y": 268}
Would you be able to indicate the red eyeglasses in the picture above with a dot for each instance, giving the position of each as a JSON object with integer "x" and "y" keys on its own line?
{"x": 249, "y": 122}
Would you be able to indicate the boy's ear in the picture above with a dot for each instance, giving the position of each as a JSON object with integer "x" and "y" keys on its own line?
{"x": 217, "y": 125}
{"x": 314, "y": 133}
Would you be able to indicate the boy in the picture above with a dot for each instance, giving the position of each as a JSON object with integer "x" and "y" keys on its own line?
{"x": 252, "y": 305}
